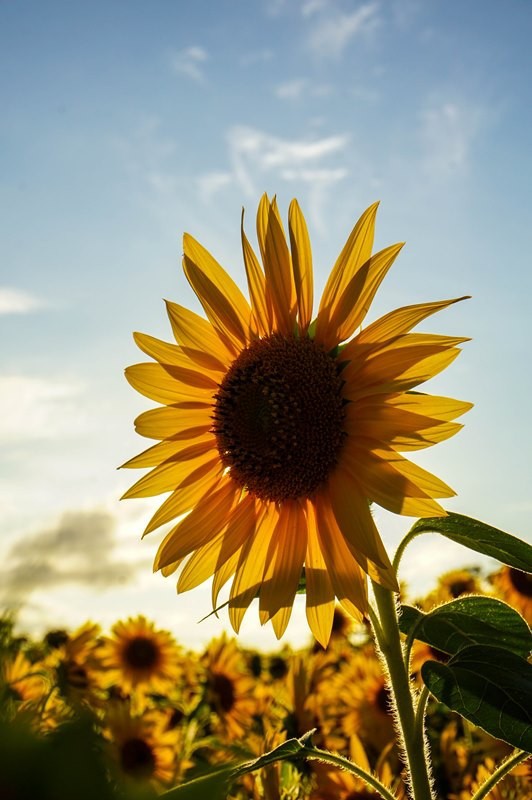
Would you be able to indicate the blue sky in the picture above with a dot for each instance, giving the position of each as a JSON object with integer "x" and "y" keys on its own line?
{"x": 126, "y": 123}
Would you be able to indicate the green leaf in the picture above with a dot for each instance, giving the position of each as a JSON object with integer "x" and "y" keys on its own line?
{"x": 480, "y": 537}
{"x": 490, "y": 687}
{"x": 467, "y": 621}
{"x": 284, "y": 751}
{"x": 215, "y": 786}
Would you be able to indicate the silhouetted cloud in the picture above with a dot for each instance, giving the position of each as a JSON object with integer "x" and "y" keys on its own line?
{"x": 80, "y": 550}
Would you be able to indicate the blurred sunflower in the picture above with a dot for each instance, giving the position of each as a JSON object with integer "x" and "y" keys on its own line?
{"x": 515, "y": 587}
{"x": 517, "y": 785}
{"x": 141, "y": 746}
{"x": 139, "y": 657}
{"x": 229, "y": 689}
{"x": 451, "y": 586}
{"x": 21, "y": 681}
{"x": 276, "y": 432}
{"x": 76, "y": 673}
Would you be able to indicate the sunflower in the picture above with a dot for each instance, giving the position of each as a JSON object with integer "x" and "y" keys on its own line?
{"x": 138, "y": 657}
{"x": 229, "y": 689}
{"x": 277, "y": 431}
{"x": 452, "y": 585}
{"x": 76, "y": 673}
{"x": 141, "y": 746}
{"x": 515, "y": 587}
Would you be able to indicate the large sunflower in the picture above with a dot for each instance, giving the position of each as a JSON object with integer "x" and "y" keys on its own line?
{"x": 276, "y": 432}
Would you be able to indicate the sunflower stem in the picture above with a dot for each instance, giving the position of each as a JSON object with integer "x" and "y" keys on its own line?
{"x": 349, "y": 766}
{"x": 411, "y": 734}
{"x": 503, "y": 769}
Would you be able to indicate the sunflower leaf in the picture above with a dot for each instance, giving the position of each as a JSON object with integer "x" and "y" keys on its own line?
{"x": 468, "y": 621}
{"x": 489, "y": 686}
{"x": 214, "y": 785}
{"x": 479, "y": 536}
{"x": 284, "y": 751}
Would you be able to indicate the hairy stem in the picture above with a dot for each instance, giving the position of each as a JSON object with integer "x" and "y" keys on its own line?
{"x": 503, "y": 769}
{"x": 412, "y": 733}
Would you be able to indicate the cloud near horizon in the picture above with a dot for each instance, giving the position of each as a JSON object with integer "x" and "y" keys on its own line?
{"x": 79, "y": 550}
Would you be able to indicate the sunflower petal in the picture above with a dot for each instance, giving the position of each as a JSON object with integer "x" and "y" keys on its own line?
{"x": 166, "y": 476}
{"x": 262, "y": 311}
{"x": 250, "y": 569}
{"x": 206, "y": 519}
{"x": 178, "y": 356}
{"x": 302, "y": 264}
{"x": 320, "y": 594}
{"x": 211, "y": 556}
{"x": 164, "y": 386}
{"x": 174, "y": 423}
{"x": 194, "y": 333}
{"x": 355, "y": 253}
{"x": 277, "y": 266}
{"x": 285, "y": 557}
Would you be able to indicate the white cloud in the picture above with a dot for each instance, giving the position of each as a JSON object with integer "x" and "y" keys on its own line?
{"x": 211, "y": 183}
{"x": 189, "y": 62}
{"x": 16, "y": 301}
{"x": 310, "y": 7}
{"x": 447, "y": 134}
{"x": 36, "y": 408}
{"x": 257, "y": 156}
{"x": 334, "y": 30}
{"x": 291, "y": 90}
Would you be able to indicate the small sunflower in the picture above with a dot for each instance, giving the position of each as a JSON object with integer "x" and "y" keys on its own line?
{"x": 276, "y": 432}
{"x": 21, "y": 681}
{"x": 452, "y": 585}
{"x": 515, "y": 587}
{"x": 139, "y": 657}
{"x": 141, "y": 746}
{"x": 229, "y": 689}
{"x": 77, "y": 676}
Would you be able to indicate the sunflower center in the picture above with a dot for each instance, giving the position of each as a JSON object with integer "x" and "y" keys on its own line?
{"x": 521, "y": 581}
{"x": 278, "y": 417}
{"x": 137, "y": 759}
{"x": 462, "y": 586}
{"x": 141, "y": 653}
{"x": 223, "y": 689}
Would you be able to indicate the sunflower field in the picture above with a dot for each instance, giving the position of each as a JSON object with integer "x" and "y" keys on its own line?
{"x": 132, "y": 713}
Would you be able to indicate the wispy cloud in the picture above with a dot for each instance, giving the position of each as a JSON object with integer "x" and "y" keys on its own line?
{"x": 297, "y": 88}
{"x": 79, "y": 550}
{"x": 190, "y": 61}
{"x": 256, "y": 57}
{"x": 38, "y": 408}
{"x": 447, "y": 133}
{"x": 211, "y": 183}
{"x": 333, "y": 30}
{"x": 16, "y": 301}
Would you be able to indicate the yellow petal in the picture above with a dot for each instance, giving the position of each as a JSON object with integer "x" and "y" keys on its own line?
{"x": 352, "y": 513}
{"x": 194, "y": 332}
{"x": 172, "y": 472}
{"x": 355, "y": 253}
{"x": 347, "y": 578}
{"x": 277, "y": 266}
{"x": 153, "y": 455}
{"x": 353, "y": 305}
{"x": 211, "y": 556}
{"x": 401, "y": 321}
{"x": 186, "y": 358}
{"x": 432, "y": 406}
{"x": 285, "y": 557}
{"x": 164, "y": 386}
{"x": 262, "y": 311}
{"x": 398, "y": 484}
{"x": 189, "y": 492}
{"x": 217, "y": 304}
{"x": 248, "y": 576}
{"x": 174, "y": 423}
{"x": 223, "y": 574}
{"x": 209, "y": 516}
{"x": 302, "y": 264}
{"x": 319, "y": 590}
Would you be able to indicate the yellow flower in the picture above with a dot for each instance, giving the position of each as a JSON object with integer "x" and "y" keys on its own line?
{"x": 230, "y": 689}
{"x": 515, "y": 587}
{"x": 276, "y": 432}
{"x": 452, "y": 585}
{"x": 139, "y": 657}
{"x": 142, "y": 748}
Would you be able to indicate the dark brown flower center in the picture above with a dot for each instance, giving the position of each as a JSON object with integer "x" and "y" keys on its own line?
{"x": 223, "y": 690}
{"x": 278, "y": 417}
{"x": 141, "y": 653}
{"x": 462, "y": 586}
{"x": 521, "y": 581}
{"x": 137, "y": 759}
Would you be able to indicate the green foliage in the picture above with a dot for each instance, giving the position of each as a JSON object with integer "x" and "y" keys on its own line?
{"x": 468, "y": 621}
{"x": 489, "y": 686}
{"x": 480, "y": 537}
